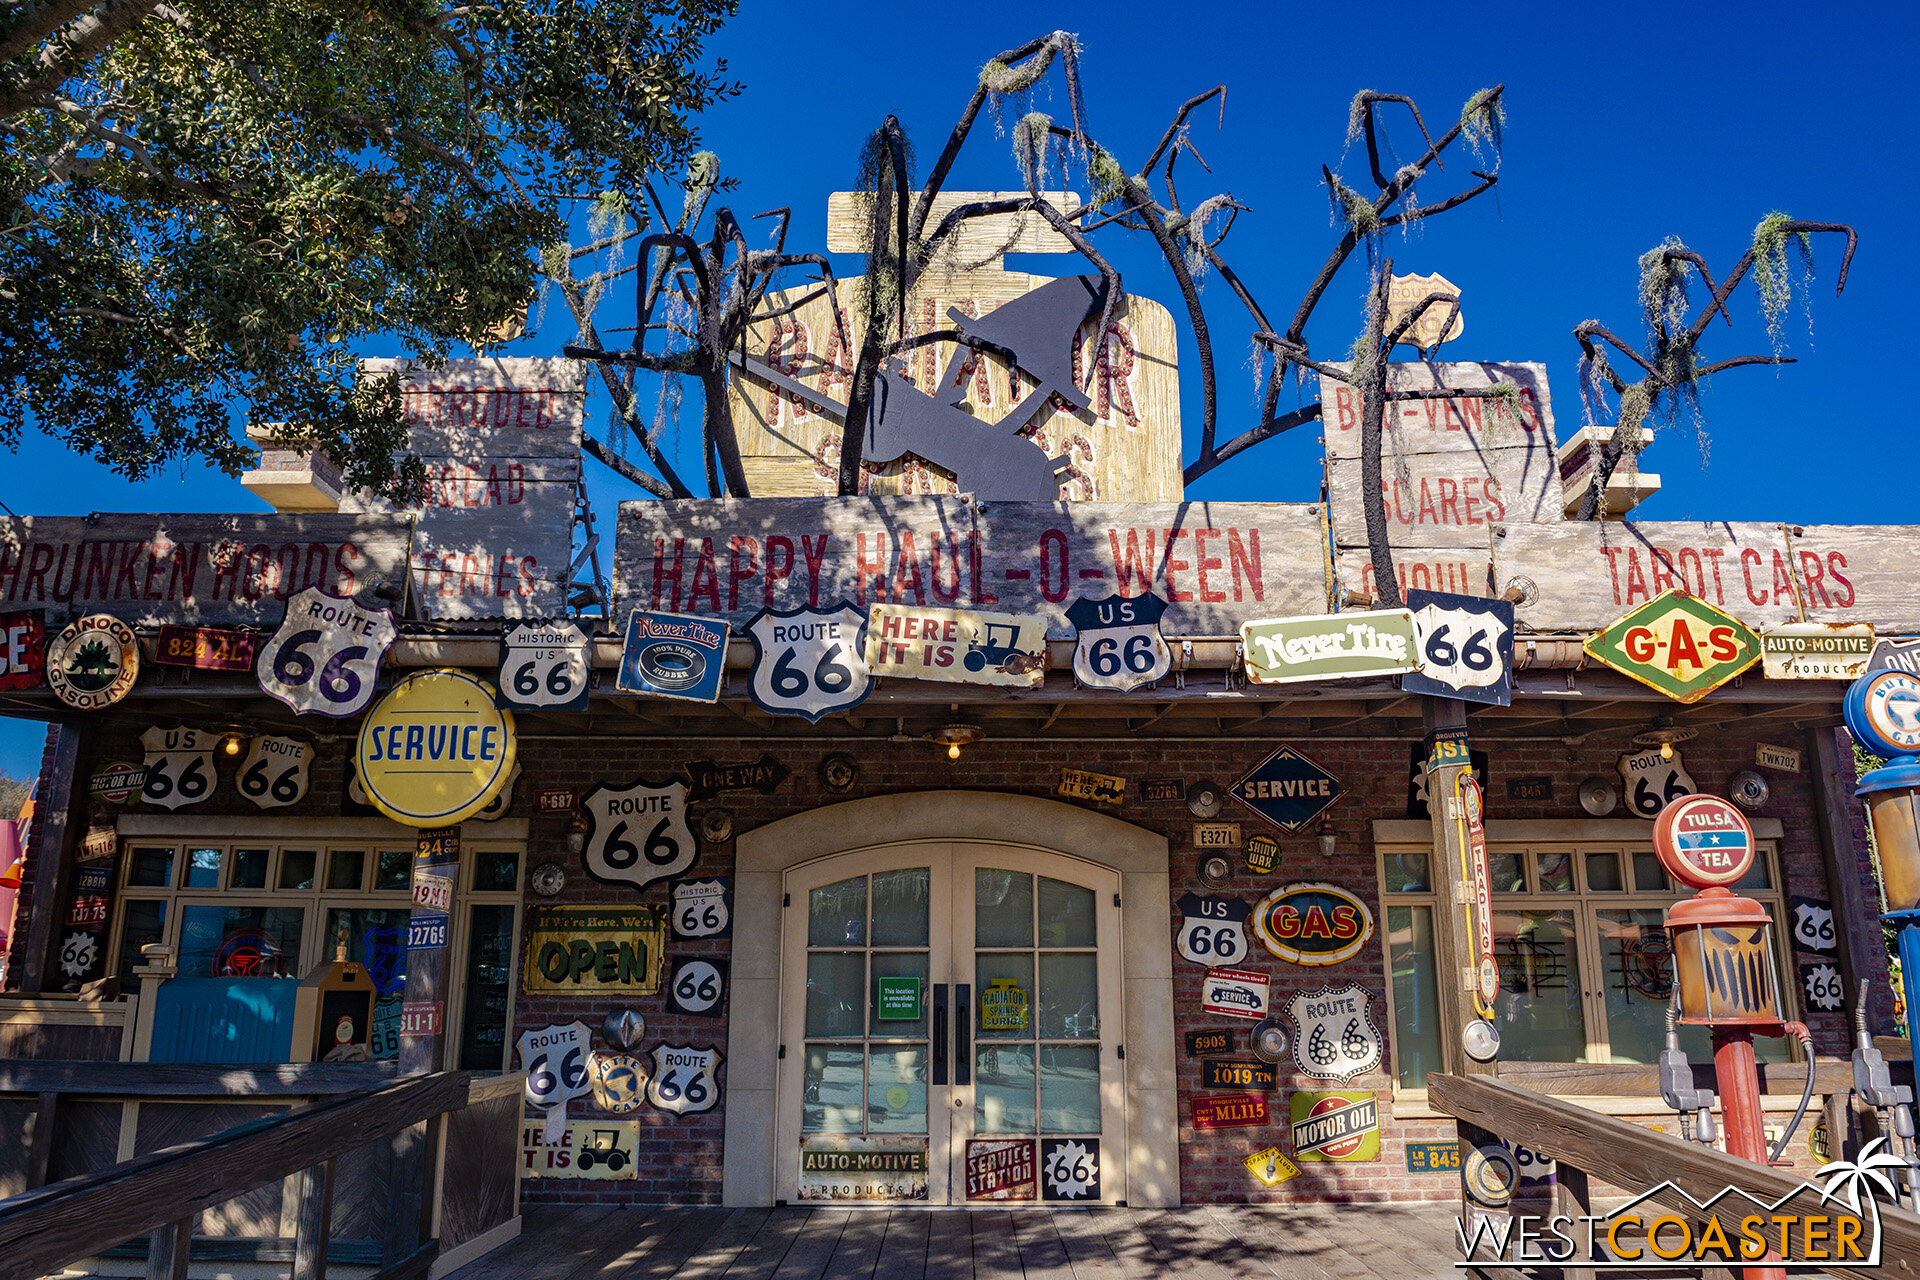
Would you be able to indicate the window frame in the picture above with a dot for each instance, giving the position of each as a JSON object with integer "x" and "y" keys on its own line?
{"x": 1533, "y": 839}
{"x": 277, "y": 837}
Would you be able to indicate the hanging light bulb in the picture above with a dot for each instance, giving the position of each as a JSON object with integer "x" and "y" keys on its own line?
{"x": 954, "y": 736}
{"x": 953, "y": 751}
{"x": 1666, "y": 751}
{"x": 231, "y": 743}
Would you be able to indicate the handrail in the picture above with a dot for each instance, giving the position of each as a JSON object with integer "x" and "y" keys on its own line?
{"x": 190, "y": 1079}
{"x": 52, "y": 1226}
{"x": 1639, "y": 1160}
{"x": 1633, "y": 1080}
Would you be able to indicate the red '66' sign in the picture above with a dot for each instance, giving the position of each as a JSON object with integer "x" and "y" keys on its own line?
{"x": 1703, "y": 841}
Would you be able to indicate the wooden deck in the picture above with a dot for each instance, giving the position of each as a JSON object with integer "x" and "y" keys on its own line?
{"x": 1368, "y": 1242}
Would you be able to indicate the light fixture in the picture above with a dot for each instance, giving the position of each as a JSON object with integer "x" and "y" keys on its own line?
{"x": 1326, "y": 843}
{"x": 954, "y": 736}
{"x": 232, "y": 739}
{"x": 1663, "y": 736}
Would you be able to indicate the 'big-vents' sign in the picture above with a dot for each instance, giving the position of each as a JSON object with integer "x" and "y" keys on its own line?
{"x": 435, "y": 750}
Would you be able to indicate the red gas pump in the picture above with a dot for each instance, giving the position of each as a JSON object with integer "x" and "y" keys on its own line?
{"x": 1725, "y": 976}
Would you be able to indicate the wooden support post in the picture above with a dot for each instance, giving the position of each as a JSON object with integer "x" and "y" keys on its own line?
{"x": 40, "y": 1139}
{"x": 1855, "y": 915}
{"x": 64, "y": 801}
{"x": 1573, "y": 1196}
{"x": 167, "y": 1250}
{"x": 316, "y": 1223}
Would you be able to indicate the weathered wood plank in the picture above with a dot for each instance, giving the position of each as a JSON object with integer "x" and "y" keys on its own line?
{"x": 769, "y": 1246}
{"x": 506, "y": 562}
{"x": 538, "y": 1223}
{"x": 903, "y": 1254}
{"x": 1629, "y": 1080}
{"x": 813, "y": 1248}
{"x": 168, "y": 1251}
{"x": 858, "y": 1247}
{"x": 1290, "y": 1250}
{"x": 1637, "y": 1159}
{"x": 65, "y": 810}
{"x": 1445, "y": 499}
{"x": 950, "y": 1246}
{"x": 1590, "y": 573}
{"x": 1458, "y": 424}
{"x": 716, "y": 1252}
{"x": 682, "y": 1233}
{"x": 1189, "y": 1244}
{"x": 491, "y": 408}
{"x": 1088, "y": 1253}
{"x": 191, "y": 1080}
{"x": 315, "y": 1224}
{"x": 595, "y": 1247}
{"x": 39, "y": 1142}
{"x": 1217, "y": 564}
{"x": 222, "y": 570}
{"x": 47, "y": 1228}
{"x": 1132, "y": 1251}
{"x": 1042, "y": 1255}
{"x": 1465, "y": 571}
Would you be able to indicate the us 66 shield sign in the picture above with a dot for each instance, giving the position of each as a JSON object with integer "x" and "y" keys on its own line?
{"x": 543, "y": 665}
{"x": 1464, "y": 645}
{"x": 639, "y": 832}
{"x": 809, "y": 662}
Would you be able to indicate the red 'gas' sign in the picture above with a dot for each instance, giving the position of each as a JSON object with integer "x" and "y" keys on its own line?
{"x": 1703, "y": 841}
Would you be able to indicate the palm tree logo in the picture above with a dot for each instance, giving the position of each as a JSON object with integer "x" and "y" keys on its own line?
{"x": 1849, "y": 1178}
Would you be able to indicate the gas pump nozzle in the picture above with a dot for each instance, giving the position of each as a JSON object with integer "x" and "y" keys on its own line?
{"x": 1676, "y": 1086}
{"x": 1873, "y": 1084}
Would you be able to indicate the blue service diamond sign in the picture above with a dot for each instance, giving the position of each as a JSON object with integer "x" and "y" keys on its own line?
{"x": 1287, "y": 789}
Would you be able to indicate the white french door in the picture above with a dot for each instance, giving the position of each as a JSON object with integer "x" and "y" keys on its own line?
{"x": 951, "y": 1028}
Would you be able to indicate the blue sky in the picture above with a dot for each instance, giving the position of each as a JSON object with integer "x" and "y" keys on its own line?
{"x": 1626, "y": 124}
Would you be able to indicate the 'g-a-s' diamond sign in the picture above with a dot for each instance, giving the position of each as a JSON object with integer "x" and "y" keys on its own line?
{"x": 1120, "y": 645}
{"x": 1680, "y": 645}
{"x": 1287, "y": 789}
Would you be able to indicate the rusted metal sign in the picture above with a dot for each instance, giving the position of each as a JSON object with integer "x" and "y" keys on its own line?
{"x": 1404, "y": 293}
{"x": 1229, "y": 1110}
{"x": 1681, "y": 646}
{"x": 1816, "y": 650}
{"x": 1082, "y": 785}
{"x": 1001, "y": 1169}
{"x": 962, "y": 645}
{"x": 1313, "y": 923}
{"x": 23, "y": 649}
{"x": 1216, "y": 564}
{"x": 205, "y": 648}
{"x": 1329, "y": 646}
{"x": 1225, "y": 1073}
{"x": 853, "y": 1167}
{"x": 594, "y": 951}
{"x": 1342, "y": 1125}
{"x": 216, "y": 570}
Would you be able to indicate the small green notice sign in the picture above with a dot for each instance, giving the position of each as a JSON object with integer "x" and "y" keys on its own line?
{"x": 899, "y": 1000}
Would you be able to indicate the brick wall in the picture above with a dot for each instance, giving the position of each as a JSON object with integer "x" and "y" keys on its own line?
{"x": 680, "y": 1158}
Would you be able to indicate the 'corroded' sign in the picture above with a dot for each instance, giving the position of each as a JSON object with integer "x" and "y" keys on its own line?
{"x": 594, "y": 950}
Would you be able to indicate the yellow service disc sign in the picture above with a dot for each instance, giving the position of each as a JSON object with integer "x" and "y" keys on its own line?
{"x": 435, "y": 750}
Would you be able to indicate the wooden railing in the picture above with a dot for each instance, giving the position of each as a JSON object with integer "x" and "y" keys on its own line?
{"x": 1589, "y": 1145}
{"x": 55, "y": 1225}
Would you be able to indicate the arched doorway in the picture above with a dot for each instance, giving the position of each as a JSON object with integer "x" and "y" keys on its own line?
{"x": 1028, "y": 1012}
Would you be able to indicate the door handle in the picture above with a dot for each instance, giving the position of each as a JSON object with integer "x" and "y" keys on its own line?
{"x": 939, "y": 1033}
{"x": 962, "y": 1026}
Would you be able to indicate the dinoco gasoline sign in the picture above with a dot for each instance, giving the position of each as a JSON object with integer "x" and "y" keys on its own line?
{"x": 1680, "y": 645}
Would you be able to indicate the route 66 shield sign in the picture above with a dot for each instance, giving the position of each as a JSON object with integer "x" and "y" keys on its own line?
{"x": 1333, "y": 1033}
{"x": 555, "y": 1059}
{"x": 685, "y": 1079}
{"x": 1465, "y": 647}
{"x": 809, "y": 662}
{"x": 180, "y": 767}
{"x": 274, "y": 774}
{"x": 1212, "y": 929}
{"x": 637, "y": 833}
{"x": 1120, "y": 645}
{"x": 325, "y": 655}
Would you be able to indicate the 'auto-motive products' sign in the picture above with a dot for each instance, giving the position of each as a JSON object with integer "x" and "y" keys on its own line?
{"x": 594, "y": 950}
{"x": 435, "y": 750}
{"x": 1816, "y": 650}
{"x": 854, "y": 1167}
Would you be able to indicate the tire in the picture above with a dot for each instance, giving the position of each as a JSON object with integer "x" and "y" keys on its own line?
{"x": 586, "y": 1159}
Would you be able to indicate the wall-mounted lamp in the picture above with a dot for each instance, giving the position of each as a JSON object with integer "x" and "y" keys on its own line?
{"x": 1326, "y": 843}
{"x": 1663, "y": 736}
{"x": 954, "y": 736}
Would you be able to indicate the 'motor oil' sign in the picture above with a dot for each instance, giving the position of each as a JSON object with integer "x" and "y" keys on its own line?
{"x": 591, "y": 950}
{"x": 1678, "y": 644}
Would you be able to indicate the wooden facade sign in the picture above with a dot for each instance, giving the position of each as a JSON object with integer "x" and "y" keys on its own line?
{"x": 501, "y": 444}
{"x": 1590, "y": 572}
{"x": 1216, "y": 564}
{"x": 1123, "y": 445}
{"x": 215, "y": 570}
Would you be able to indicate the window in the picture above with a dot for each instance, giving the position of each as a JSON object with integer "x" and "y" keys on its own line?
{"x": 254, "y": 909}
{"x": 1585, "y": 971}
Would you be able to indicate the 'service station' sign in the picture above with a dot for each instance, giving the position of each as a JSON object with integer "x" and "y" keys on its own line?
{"x": 1216, "y": 564}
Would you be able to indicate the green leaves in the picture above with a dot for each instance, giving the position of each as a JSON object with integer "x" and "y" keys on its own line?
{"x": 199, "y": 224}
